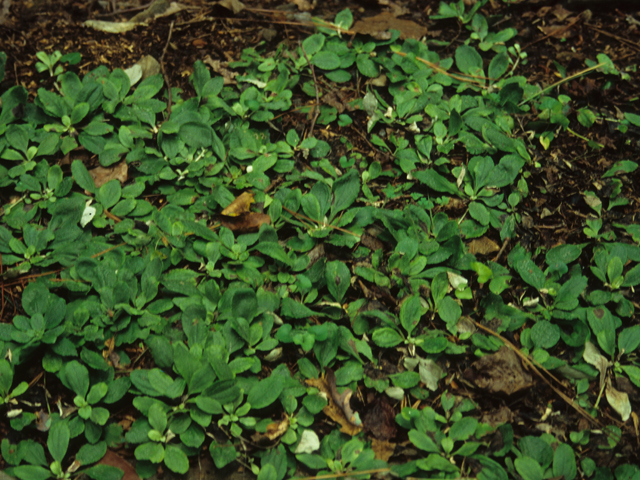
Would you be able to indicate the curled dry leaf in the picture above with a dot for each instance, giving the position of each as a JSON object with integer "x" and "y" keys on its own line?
{"x": 332, "y": 410}
{"x": 592, "y": 356}
{"x": 240, "y": 205}
{"x": 274, "y": 431}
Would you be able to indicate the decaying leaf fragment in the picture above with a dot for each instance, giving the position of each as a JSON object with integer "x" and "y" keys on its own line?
{"x": 501, "y": 372}
{"x": 239, "y": 219}
{"x": 333, "y": 410}
{"x": 102, "y": 175}
{"x": 240, "y": 205}
{"x": 274, "y": 431}
{"x": 618, "y": 400}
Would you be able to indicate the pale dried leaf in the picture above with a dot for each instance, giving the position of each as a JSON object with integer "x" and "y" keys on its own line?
{"x": 430, "y": 373}
{"x": 619, "y": 401}
{"x": 240, "y": 205}
{"x": 102, "y": 175}
{"x": 592, "y": 356}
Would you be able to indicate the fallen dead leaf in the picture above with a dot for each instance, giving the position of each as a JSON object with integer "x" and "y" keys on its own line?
{"x": 380, "y": 420}
{"x": 245, "y": 223}
{"x": 303, "y": 5}
{"x": 114, "y": 460}
{"x": 483, "y": 246}
{"x": 220, "y": 68}
{"x": 102, "y": 175}
{"x": 274, "y": 431}
{"x": 501, "y": 372}
{"x": 619, "y": 401}
{"x": 378, "y": 27}
{"x": 240, "y": 205}
{"x": 593, "y": 357}
{"x": 382, "y": 449}
{"x": 236, "y": 6}
{"x": 331, "y": 410}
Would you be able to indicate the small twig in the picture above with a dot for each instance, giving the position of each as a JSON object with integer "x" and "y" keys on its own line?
{"x": 316, "y": 107}
{"x": 164, "y": 73}
{"x": 504, "y": 245}
{"x": 635, "y": 45}
{"x": 554, "y": 32}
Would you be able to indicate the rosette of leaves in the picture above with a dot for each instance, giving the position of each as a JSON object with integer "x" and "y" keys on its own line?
{"x": 93, "y": 392}
{"x": 28, "y": 460}
{"x": 43, "y": 325}
{"x": 339, "y": 453}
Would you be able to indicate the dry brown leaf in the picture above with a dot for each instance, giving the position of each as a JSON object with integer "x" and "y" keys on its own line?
{"x": 333, "y": 411}
{"x": 236, "y": 6}
{"x": 483, "y": 246}
{"x": 245, "y": 223}
{"x": 220, "y": 68}
{"x": 114, "y": 460}
{"x": 240, "y": 205}
{"x": 501, "y": 372}
{"x": 103, "y": 175}
{"x": 383, "y": 449}
{"x": 274, "y": 431}
{"x": 379, "y": 25}
{"x": 303, "y": 5}
{"x": 560, "y": 12}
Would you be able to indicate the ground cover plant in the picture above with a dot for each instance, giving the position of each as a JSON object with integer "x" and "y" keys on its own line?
{"x": 284, "y": 302}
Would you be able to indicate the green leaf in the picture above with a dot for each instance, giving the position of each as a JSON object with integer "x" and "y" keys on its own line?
{"x": 423, "y": 441}
{"x": 77, "y": 377}
{"x": 435, "y": 181}
{"x": 268, "y": 472}
{"x": 82, "y": 177}
{"x": 265, "y": 392}
{"x": 629, "y": 339}
{"x": 463, "y": 428}
{"x": 410, "y": 313}
{"x": 449, "y": 310}
{"x": 386, "y": 337}
{"x": 109, "y": 193}
{"x": 344, "y": 19}
{"x": 545, "y": 334}
{"x": 338, "y": 279}
{"x": 32, "y": 472}
{"x": 89, "y": 453}
{"x": 58, "y": 440}
{"x": 104, "y": 472}
{"x": 175, "y": 459}
{"x": 196, "y": 134}
{"x": 150, "y": 451}
{"x": 528, "y": 468}
{"x": 313, "y": 44}
{"x": 498, "y": 66}
{"x": 6, "y": 378}
{"x": 222, "y": 455}
{"x": 468, "y": 60}
{"x": 345, "y": 190}
{"x": 564, "y": 462}
{"x": 158, "y": 417}
{"x": 326, "y": 60}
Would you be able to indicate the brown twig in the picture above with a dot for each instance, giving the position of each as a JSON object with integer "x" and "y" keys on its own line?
{"x": 164, "y": 73}
{"x": 539, "y": 374}
{"x": 316, "y": 107}
{"x": 620, "y": 39}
